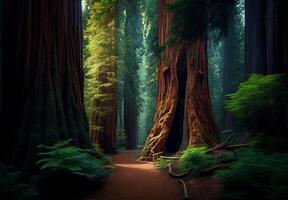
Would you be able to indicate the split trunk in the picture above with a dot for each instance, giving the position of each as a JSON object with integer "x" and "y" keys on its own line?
{"x": 183, "y": 113}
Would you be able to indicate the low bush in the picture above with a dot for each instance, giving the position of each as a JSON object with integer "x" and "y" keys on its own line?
{"x": 15, "y": 187}
{"x": 257, "y": 94}
{"x": 256, "y": 176}
{"x": 68, "y": 171}
{"x": 162, "y": 163}
{"x": 194, "y": 159}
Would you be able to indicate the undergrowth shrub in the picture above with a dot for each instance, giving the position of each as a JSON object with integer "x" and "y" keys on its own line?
{"x": 68, "y": 171}
{"x": 162, "y": 163}
{"x": 256, "y": 176}
{"x": 194, "y": 158}
{"x": 14, "y": 187}
{"x": 257, "y": 94}
{"x": 121, "y": 140}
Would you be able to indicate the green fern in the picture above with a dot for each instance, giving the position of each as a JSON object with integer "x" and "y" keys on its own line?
{"x": 63, "y": 157}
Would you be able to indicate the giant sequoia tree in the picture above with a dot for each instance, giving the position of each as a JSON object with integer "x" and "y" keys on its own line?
{"x": 43, "y": 82}
{"x": 183, "y": 112}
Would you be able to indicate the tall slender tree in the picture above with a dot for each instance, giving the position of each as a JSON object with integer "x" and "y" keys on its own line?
{"x": 133, "y": 41}
{"x": 233, "y": 65}
{"x": 43, "y": 82}
{"x": 101, "y": 74}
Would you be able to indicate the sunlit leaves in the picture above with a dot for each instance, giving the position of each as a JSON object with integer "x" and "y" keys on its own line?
{"x": 101, "y": 62}
{"x": 258, "y": 93}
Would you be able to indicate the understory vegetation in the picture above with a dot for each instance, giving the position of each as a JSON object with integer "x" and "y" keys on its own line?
{"x": 256, "y": 175}
{"x": 14, "y": 186}
{"x": 261, "y": 171}
{"x": 65, "y": 171}
{"x": 258, "y": 171}
{"x": 194, "y": 159}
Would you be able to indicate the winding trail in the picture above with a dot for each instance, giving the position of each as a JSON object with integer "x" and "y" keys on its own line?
{"x": 137, "y": 180}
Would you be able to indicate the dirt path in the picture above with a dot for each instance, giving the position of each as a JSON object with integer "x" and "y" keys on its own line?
{"x": 136, "y": 180}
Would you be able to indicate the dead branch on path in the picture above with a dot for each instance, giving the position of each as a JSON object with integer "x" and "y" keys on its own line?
{"x": 186, "y": 196}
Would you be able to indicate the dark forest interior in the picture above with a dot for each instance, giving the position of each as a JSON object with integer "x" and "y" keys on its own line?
{"x": 177, "y": 130}
{"x": 143, "y": 99}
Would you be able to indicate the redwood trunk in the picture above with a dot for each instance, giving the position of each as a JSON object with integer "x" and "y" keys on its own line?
{"x": 196, "y": 125}
{"x": 43, "y": 77}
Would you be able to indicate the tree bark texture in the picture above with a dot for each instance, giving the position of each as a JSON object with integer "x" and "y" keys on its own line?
{"x": 200, "y": 124}
{"x": 266, "y": 36}
{"x": 106, "y": 137}
{"x": 43, "y": 77}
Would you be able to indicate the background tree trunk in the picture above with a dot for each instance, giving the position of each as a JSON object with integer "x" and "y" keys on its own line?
{"x": 131, "y": 79}
{"x": 201, "y": 127}
{"x": 43, "y": 82}
{"x": 255, "y": 37}
{"x": 266, "y": 52}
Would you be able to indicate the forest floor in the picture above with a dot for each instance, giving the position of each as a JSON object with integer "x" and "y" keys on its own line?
{"x": 136, "y": 180}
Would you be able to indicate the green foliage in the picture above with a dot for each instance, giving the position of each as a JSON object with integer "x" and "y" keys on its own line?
{"x": 191, "y": 18}
{"x": 12, "y": 185}
{"x": 121, "y": 139}
{"x": 256, "y": 176}
{"x": 162, "y": 163}
{"x": 215, "y": 67}
{"x": 194, "y": 159}
{"x": 100, "y": 57}
{"x": 257, "y": 94}
{"x": 63, "y": 157}
{"x": 148, "y": 68}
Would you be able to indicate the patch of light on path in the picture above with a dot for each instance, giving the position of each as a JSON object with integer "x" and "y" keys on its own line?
{"x": 137, "y": 166}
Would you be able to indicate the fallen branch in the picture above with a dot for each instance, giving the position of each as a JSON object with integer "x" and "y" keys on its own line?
{"x": 220, "y": 146}
{"x": 170, "y": 158}
{"x": 174, "y": 175}
{"x": 186, "y": 196}
{"x": 236, "y": 146}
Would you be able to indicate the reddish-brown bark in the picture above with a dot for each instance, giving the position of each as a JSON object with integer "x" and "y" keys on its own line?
{"x": 198, "y": 118}
{"x": 43, "y": 81}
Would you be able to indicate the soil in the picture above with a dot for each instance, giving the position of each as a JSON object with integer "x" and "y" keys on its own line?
{"x": 137, "y": 180}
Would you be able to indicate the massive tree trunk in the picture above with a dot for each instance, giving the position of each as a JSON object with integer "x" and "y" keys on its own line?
{"x": 43, "y": 77}
{"x": 183, "y": 112}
